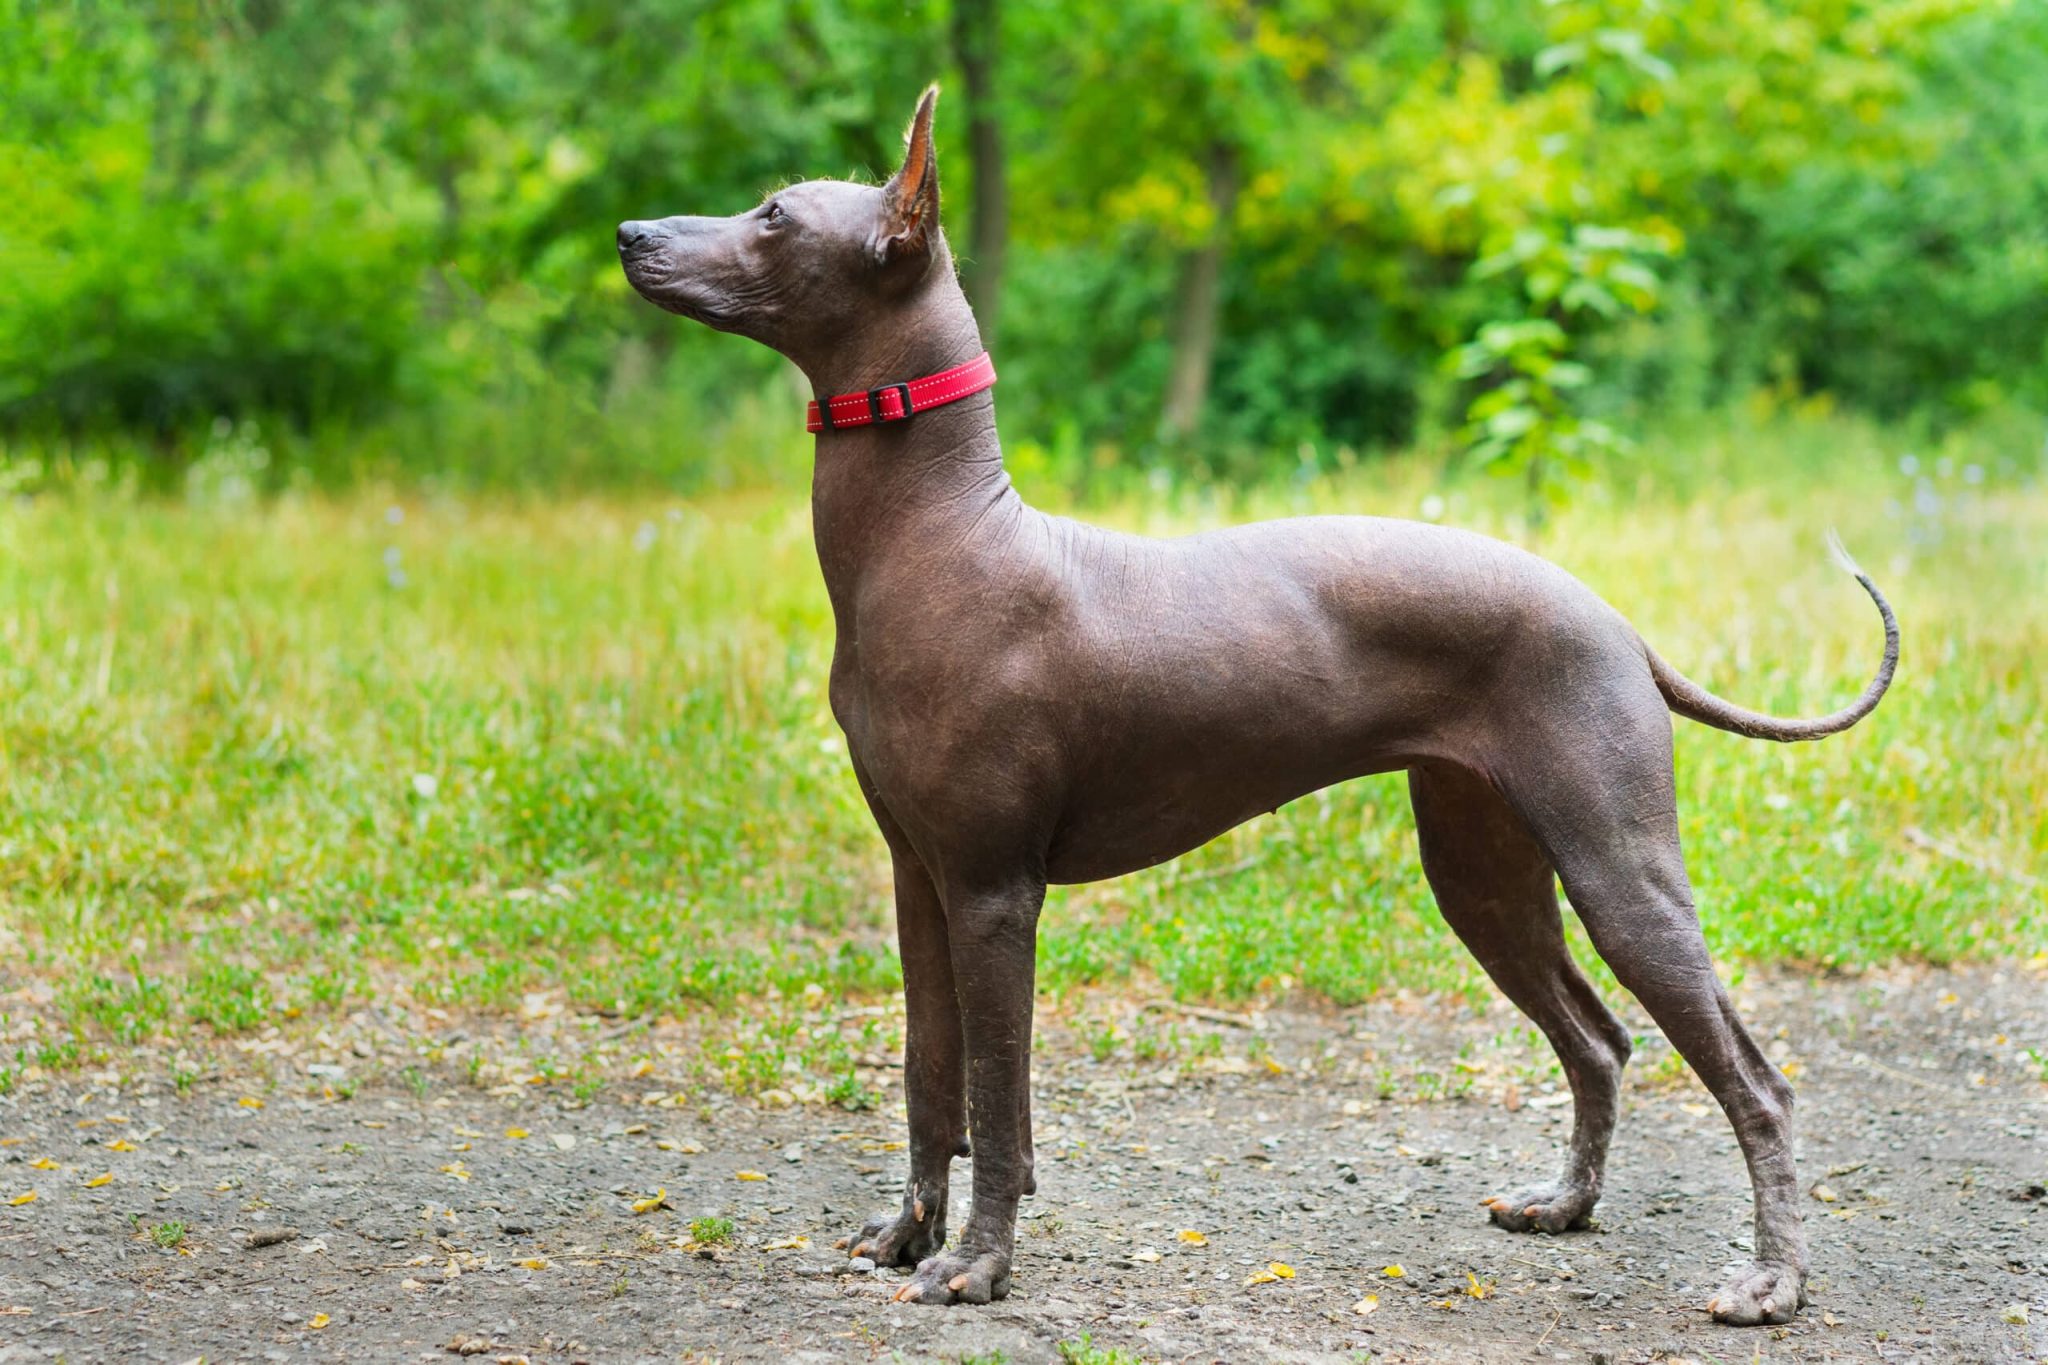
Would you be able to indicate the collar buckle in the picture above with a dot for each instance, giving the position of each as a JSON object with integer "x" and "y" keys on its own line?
{"x": 875, "y": 413}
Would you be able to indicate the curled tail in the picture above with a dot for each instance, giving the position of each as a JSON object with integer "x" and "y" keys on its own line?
{"x": 1694, "y": 702}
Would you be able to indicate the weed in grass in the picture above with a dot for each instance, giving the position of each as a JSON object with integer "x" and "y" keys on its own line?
{"x": 711, "y": 1230}
{"x": 417, "y": 1081}
{"x": 168, "y": 1235}
{"x": 57, "y": 1056}
{"x": 985, "y": 1358}
{"x": 1102, "y": 1041}
{"x": 849, "y": 1094}
{"x": 1084, "y": 1351}
{"x": 129, "y": 1010}
{"x": 228, "y": 997}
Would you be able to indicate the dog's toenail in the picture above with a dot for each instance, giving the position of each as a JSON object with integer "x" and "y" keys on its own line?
{"x": 910, "y": 1293}
{"x": 957, "y": 1283}
{"x": 917, "y": 1210}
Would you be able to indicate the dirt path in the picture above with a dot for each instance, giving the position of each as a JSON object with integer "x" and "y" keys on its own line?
{"x": 1921, "y": 1115}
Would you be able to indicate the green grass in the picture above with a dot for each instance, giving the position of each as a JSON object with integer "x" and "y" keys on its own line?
{"x": 1084, "y": 1351}
{"x": 287, "y": 756}
{"x": 711, "y": 1230}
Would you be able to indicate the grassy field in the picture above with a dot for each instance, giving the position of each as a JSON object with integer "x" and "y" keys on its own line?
{"x": 272, "y": 756}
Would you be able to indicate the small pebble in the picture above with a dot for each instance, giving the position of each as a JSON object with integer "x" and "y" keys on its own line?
{"x": 860, "y": 1265}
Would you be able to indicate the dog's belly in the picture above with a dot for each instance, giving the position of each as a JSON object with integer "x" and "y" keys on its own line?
{"x": 1114, "y": 833}
{"x": 1222, "y": 735}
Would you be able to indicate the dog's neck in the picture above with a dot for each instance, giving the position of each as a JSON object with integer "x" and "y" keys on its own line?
{"x": 914, "y": 486}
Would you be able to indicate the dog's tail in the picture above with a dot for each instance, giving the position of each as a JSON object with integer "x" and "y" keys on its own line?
{"x": 1694, "y": 702}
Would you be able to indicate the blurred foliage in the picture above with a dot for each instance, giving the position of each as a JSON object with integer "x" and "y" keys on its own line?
{"x": 398, "y": 214}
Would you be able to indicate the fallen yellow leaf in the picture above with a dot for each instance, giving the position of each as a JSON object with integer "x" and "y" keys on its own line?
{"x": 1477, "y": 1287}
{"x": 319, "y": 1320}
{"x": 100, "y": 1180}
{"x": 1193, "y": 1238}
{"x": 1276, "y": 1066}
{"x": 1393, "y": 1272}
{"x": 250, "y": 1102}
{"x": 535, "y": 1263}
{"x": 657, "y": 1200}
{"x": 1275, "y": 1270}
{"x": 43, "y": 1163}
{"x": 748, "y": 1175}
{"x": 456, "y": 1169}
{"x": 120, "y": 1145}
{"x": 1260, "y": 1277}
{"x": 21, "y": 1199}
{"x": 516, "y": 1133}
{"x": 1370, "y": 1303}
{"x": 789, "y": 1244}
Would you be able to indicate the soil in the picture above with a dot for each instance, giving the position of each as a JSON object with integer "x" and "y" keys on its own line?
{"x": 1335, "y": 1143}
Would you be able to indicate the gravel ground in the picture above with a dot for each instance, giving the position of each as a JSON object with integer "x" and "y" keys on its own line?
{"x": 432, "y": 1222}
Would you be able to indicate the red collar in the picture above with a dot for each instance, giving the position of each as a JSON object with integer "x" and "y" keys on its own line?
{"x": 897, "y": 402}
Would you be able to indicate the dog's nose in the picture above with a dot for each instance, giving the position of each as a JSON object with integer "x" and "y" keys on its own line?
{"x": 632, "y": 234}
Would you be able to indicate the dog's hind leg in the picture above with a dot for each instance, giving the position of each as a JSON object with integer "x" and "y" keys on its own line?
{"x": 1496, "y": 889}
{"x": 1599, "y": 796}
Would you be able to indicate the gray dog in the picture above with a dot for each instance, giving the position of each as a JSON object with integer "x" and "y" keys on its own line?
{"x": 1028, "y": 700}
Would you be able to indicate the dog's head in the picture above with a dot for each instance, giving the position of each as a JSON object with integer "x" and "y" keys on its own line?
{"x": 814, "y": 264}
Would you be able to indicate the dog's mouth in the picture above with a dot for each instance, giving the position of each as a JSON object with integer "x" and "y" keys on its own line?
{"x": 655, "y": 279}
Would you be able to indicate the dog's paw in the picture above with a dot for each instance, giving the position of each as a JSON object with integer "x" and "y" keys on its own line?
{"x": 954, "y": 1277}
{"x": 1767, "y": 1292}
{"x": 1546, "y": 1208}
{"x": 903, "y": 1240}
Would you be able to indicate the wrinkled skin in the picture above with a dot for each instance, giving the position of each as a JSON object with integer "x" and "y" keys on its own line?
{"x": 1029, "y": 700}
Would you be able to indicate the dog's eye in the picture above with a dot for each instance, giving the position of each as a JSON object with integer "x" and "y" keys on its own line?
{"x": 776, "y": 217}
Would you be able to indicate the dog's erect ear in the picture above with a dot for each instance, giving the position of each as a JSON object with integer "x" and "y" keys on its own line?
{"x": 910, "y": 201}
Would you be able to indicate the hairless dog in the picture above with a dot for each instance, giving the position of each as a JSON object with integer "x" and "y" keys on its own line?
{"x": 1029, "y": 700}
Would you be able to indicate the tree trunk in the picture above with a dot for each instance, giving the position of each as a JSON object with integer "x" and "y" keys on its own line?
{"x": 1201, "y": 302}
{"x": 975, "y": 31}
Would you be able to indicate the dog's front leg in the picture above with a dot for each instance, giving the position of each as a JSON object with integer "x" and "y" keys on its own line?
{"x": 934, "y": 1076}
{"x": 994, "y": 940}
